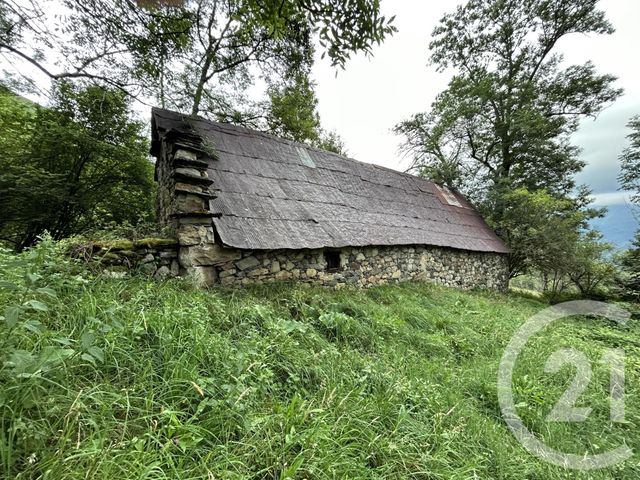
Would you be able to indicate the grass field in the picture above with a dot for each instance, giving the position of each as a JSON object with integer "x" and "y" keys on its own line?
{"x": 131, "y": 378}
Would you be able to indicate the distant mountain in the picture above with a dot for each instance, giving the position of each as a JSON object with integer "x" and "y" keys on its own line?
{"x": 619, "y": 225}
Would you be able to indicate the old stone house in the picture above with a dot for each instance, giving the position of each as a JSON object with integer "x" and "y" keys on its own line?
{"x": 248, "y": 207}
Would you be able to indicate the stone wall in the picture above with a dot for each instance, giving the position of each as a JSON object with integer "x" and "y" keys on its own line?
{"x": 157, "y": 257}
{"x": 362, "y": 267}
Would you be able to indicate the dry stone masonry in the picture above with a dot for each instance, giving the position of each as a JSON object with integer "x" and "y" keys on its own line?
{"x": 365, "y": 267}
{"x": 157, "y": 257}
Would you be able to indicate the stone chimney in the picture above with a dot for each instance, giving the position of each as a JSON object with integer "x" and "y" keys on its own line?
{"x": 184, "y": 193}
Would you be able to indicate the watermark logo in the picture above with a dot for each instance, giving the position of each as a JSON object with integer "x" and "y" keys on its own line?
{"x": 565, "y": 409}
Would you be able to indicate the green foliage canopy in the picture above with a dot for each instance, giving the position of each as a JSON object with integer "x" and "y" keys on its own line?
{"x": 590, "y": 266}
{"x": 511, "y": 105}
{"x": 182, "y": 53}
{"x": 540, "y": 229}
{"x": 75, "y": 166}
{"x": 199, "y": 56}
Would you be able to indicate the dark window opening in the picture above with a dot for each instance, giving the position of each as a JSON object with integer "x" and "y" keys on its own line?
{"x": 332, "y": 257}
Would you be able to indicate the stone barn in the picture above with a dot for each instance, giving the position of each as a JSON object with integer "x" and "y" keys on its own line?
{"x": 248, "y": 207}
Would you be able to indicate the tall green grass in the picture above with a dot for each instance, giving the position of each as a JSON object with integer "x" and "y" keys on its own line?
{"x": 132, "y": 378}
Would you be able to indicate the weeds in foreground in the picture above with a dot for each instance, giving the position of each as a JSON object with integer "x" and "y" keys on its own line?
{"x": 132, "y": 378}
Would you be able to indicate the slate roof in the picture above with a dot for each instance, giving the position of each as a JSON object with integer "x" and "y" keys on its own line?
{"x": 277, "y": 194}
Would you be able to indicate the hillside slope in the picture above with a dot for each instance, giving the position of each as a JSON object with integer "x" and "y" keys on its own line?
{"x": 131, "y": 378}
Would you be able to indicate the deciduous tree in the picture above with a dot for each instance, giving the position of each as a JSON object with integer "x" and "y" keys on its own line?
{"x": 505, "y": 120}
{"x": 77, "y": 165}
{"x": 184, "y": 53}
{"x": 591, "y": 266}
{"x": 540, "y": 229}
{"x": 512, "y": 103}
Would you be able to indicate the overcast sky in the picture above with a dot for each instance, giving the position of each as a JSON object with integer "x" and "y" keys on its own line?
{"x": 366, "y": 100}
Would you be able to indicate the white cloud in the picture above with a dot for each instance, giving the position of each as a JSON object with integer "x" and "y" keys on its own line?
{"x": 611, "y": 198}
